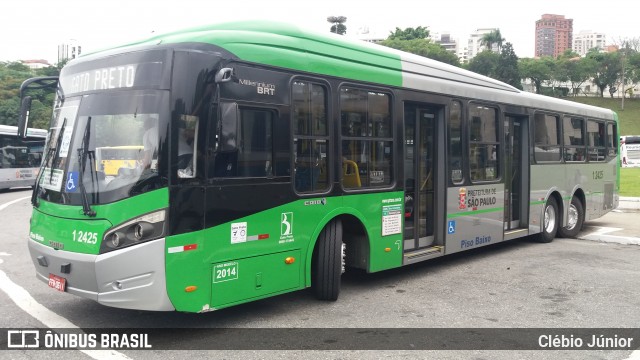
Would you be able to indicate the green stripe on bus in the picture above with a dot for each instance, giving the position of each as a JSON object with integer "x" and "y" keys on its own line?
{"x": 473, "y": 212}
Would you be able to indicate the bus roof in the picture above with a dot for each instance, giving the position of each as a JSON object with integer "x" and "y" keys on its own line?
{"x": 292, "y": 47}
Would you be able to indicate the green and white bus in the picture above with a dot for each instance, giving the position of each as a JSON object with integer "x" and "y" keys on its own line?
{"x": 274, "y": 158}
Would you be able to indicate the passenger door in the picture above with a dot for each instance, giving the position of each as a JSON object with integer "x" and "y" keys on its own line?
{"x": 516, "y": 176}
{"x": 419, "y": 158}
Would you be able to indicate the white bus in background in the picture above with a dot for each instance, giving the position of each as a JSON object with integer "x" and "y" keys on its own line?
{"x": 630, "y": 150}
{"x": 20, "y": 158}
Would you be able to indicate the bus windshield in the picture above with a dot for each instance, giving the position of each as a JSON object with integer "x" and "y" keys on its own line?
{"x": 119, "y": 135}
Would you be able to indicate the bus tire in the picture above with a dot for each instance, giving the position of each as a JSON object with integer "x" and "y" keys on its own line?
{"x": 549, "y": 221}
{"x": 575, "y": 219}
{"x": 327, "y": 262}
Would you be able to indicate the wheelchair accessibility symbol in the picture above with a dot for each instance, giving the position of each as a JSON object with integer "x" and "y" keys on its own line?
{"x": 72, "y": 181}
{"x": 451, "y": 227}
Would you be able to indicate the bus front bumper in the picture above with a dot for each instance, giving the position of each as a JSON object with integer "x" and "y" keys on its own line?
{"x": 131, "y": 278}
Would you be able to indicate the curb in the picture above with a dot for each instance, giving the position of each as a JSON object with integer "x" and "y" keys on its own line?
{"x": 629, "y": 203}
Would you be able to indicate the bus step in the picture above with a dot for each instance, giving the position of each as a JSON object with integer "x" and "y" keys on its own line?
{"x": 423, "y": 254}
{"x": 516, "y": 233}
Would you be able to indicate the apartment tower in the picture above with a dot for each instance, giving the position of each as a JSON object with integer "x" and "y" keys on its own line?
{"x": 554, "y": 35}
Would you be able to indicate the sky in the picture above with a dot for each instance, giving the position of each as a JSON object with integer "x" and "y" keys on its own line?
{"x": 33, "y": 29}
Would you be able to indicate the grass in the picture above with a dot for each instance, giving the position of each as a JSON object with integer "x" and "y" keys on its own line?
{"x": 629, "y": 117}
{"x": 630, "y": 182}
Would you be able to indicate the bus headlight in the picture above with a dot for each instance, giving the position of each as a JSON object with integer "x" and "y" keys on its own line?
{"x": 115, "y": 239}
{"x": 135, "y": 231}
{"x": 143, "y": 230}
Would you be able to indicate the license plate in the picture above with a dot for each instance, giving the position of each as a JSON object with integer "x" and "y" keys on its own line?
{"x": 57, "y": 282}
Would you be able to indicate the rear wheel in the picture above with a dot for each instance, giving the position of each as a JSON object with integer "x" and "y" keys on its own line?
{"x": 575, "y": 219}
{"x": 327, "y": 262}
{"x": 549, "y": 222}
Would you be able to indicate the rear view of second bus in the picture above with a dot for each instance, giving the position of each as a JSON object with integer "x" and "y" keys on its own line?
{"x": 630, "y": 151}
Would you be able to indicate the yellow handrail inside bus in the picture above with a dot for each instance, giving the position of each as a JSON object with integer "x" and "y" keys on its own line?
{"x": 350, "y": 174}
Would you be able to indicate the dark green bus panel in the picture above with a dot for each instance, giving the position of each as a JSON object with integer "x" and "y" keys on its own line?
{"x": 271, "y": 252}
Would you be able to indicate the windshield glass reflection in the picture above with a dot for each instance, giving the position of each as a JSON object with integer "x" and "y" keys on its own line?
{"x": 119, "y": 152}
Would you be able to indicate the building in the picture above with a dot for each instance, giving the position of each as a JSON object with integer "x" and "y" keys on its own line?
{"x": 587, "y": 40}
{"x": 475, "y": 46}
{"x": 36, "y": 64}
{"x": 446, "y": 41}
{"x": 611, "y": 48}
{"x": 463, "y": 54}
{"x": 554, "y": 35}
{"x": 69, "y": 50}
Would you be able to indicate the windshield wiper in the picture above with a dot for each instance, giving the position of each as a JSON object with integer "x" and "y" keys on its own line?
{"x": 36, "y": 187}
{"x": 82, "y": 159}
{"x": 57, "y": 149}
{"x": 43, "y": 165}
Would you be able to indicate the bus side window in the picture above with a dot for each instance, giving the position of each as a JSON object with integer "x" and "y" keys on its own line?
{"x": 225, "y": 164}
{"x": 250, "y": 154}
{"x": 255, "y": 150}
{"x": 187, "y": 145}
{"x": 223, "y": 139}
{"x": 310, "y": 137}
{"x": 612, "y": 144}
{"x": 596, "y": 136}
{"x": 483, "y": 143}
{"x": 367, "y": 138}
{"x": 574, "y": 139}
{"x": 455, "y": 142}
{"x": 547, "y": 140}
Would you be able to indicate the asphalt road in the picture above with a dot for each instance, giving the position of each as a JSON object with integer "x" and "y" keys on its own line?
{"x": 569, "y": 283}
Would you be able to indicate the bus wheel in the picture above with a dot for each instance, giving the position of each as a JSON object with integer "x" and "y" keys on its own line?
{"x": 550, "y": 221}
{"x": 575, "y": 218}
{"x": 327, "y": 262}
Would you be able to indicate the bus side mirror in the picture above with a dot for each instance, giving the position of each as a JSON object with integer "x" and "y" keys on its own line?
{"x": 43, "y": 82}
{"x": 23, "y": 120}
{"x": 225, "y": 75}
{"x": 227, "y": 140}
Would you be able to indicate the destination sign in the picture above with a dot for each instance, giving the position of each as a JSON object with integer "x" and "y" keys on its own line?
{"x": 103, "y": 79}
{"x": 118, "y": 76}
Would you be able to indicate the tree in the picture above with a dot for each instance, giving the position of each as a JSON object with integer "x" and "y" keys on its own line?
{"x": 629, "y": 73}
{"x": 559, "y": 77}
{"x": 575, "y": 70}
{"x": 633, "y": 62}
{"x": 606, "y": 70}
{"x": 421, "y": 32}
{"x": 12, "y": 74}
{"x": 494, "y": 37}
{"x": 62, "y": 63}
{"x": 9, "y": 111}
{"x": 538, "y": 70}
{"x": 423, "y": 47}
{"x": 17, "y": 66}
{"x": 338, "y": 26}
{"x": 485, "y": 63}
{"x": 507, "y": 68}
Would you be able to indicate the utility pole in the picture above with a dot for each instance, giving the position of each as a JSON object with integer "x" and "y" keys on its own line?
{"x": 623, "y": 56}
{"x": 623, "y": 90}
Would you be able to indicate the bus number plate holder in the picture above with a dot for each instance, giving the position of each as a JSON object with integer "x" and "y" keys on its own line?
{"x": 57, "y": 282}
